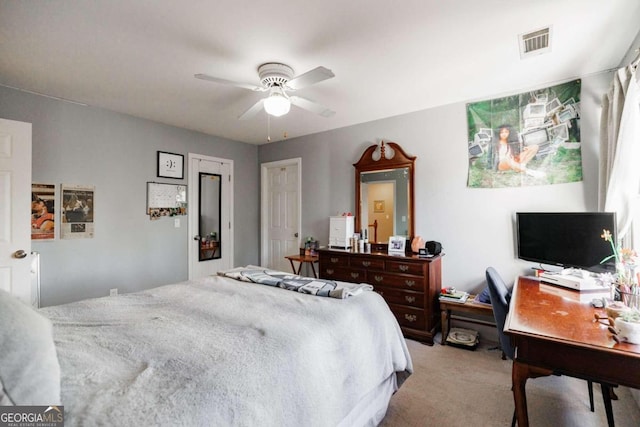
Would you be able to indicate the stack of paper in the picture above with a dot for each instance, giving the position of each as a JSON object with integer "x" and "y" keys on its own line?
{"x": 455, "y": 296}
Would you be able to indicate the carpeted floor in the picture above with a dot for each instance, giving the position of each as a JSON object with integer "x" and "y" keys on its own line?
{"x": 456, "y": 387}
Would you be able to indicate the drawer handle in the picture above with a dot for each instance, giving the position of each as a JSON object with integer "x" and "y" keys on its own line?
{"x": 334, "y": 260}
{"x": 378, "y": 278}
{"x": 354, "y": 274}
{"x": 410, "y": 299}
{"x": 329, "y": 270}
{"x": 404, "y": 267}
{"x": 366, "y": 263}
{"x": 410, "y": 283}
{"x": 411, "y": 317}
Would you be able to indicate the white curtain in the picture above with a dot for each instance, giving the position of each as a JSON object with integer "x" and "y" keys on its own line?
{"x": 619, "y": 184}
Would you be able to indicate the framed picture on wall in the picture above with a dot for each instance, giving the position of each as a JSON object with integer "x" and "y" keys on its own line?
{"x": 170, "y": 165}
{"x": 378, "y": 206}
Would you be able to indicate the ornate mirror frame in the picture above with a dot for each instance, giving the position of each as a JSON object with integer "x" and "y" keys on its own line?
{"x": 386, "y": 156}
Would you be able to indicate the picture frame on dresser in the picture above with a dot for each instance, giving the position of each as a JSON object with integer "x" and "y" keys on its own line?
{"x": 397, "y": 244}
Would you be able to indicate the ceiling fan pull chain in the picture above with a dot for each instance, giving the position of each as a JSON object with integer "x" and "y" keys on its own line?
{"x": 268, "y": 128}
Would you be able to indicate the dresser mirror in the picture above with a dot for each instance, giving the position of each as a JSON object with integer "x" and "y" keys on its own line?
{"x": 384, "y": 192}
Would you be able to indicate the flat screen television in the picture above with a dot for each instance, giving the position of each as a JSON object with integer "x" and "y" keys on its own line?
{"x": 567, "y": 239}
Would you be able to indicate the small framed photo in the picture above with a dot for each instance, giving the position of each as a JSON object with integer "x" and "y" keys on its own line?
{"x": 170, "y": 165}
{"x": 378, "y": 206}
{"x": 397, "y": 243}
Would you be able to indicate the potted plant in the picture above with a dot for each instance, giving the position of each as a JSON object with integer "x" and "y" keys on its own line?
{"x": 627, "y": 326}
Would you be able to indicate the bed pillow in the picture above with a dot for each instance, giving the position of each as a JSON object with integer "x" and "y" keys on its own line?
{"x": 29, "y": 368}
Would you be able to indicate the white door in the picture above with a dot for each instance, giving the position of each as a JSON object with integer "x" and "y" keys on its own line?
{"x": 281, "y": 210}
{"x": 15, "y": 209}
{"x": 223, "y": 167}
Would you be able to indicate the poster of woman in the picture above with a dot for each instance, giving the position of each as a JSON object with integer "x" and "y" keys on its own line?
{"x": 532, "y": 138}
{"x": 43, "y": 224}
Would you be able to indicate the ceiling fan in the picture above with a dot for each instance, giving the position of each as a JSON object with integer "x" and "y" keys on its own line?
{"x": 278, "y": 79}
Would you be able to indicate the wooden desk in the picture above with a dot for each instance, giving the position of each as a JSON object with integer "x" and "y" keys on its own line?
{"x": 311, "y": 259}
{"x": 554, "y": 333}
{"x": 470, "y": 306}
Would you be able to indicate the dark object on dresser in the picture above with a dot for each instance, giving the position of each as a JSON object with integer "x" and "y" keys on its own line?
{"x": 433, "y": 247}
{"x": 409, "y": 284}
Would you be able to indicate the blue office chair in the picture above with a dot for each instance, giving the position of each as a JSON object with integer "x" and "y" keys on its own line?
{"x": 500, "y": 299}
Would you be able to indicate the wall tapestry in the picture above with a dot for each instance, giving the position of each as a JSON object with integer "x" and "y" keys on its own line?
{"x": 77, "y": 212}
{"x": 43, "y": 202}
{"x": 532, "y": 138}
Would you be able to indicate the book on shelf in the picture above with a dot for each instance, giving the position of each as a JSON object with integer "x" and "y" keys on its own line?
{"x": 457, "y": 296}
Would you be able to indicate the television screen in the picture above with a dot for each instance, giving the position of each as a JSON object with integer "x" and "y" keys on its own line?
{"x": 567, "y": 239}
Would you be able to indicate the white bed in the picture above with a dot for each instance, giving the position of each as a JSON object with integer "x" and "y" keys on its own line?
{"x": 221, "y": 352}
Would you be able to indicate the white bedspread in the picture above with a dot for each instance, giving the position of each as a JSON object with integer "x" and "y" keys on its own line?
{"x": 220, "y": 352}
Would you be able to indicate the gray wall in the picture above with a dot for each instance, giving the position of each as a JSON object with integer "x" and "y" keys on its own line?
{"x": 475, "y": 226}
{"x": 116, "y": 153}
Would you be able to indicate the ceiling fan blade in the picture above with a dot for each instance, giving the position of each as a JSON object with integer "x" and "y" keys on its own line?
{"x": 316, "y": 75}
{"x": 251, "y": 112}
{"x": 311, "y": 106}
{"x": 229, "y": 82}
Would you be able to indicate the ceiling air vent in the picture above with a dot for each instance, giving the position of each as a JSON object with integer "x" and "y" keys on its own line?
{"x": 535, "y": 42}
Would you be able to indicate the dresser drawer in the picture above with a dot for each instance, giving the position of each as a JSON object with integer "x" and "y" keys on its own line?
{"x": 341, "y": 273}
{"x": 413, "y": 283}
{"x": 340, "y": 260}
{"x": 404, "y": 267}
{"x": 367, "y": 262}
{"x": 409, "y": 317}
{"x": 398, "y": 296}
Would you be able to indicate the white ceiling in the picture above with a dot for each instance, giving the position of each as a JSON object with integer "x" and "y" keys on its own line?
{"x": 390, "y": 57}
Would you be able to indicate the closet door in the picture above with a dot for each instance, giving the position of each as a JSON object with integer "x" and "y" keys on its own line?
{"x": 281, "y": 207}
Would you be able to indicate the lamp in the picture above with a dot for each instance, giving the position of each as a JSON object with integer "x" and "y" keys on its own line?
{"x": 277, "y": 104}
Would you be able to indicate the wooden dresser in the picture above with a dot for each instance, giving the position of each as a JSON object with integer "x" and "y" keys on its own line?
{"x": 410, "y": 285}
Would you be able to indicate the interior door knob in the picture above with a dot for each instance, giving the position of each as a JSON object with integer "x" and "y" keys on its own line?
{"x": 20, "y": 254}
{"x": 295, "y": 235}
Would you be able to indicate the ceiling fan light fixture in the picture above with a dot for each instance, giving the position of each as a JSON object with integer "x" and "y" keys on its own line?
{"x": 277, "y": 104}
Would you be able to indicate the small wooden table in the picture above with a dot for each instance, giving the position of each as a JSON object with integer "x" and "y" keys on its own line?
{"x": 208, "y": 250}
{"x": 470, "y": 306}
{"x": 311, "y": 259}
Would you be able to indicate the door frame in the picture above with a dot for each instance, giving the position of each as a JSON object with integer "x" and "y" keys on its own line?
{"x": 265, "y": 205}
{"x": 193, "y": 194}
